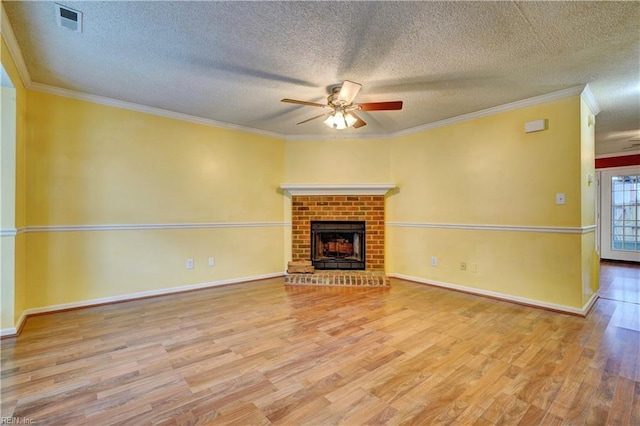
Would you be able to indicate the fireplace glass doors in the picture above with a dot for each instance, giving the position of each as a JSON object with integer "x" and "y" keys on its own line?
{"x": 338, "y": 245}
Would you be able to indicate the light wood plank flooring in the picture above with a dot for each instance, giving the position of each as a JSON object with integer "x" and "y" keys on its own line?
{"x": 261, "y": 353}
{"x": 620, "y": 281}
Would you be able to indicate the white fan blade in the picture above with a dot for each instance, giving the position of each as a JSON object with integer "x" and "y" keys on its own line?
{"x": 348, "y": 92}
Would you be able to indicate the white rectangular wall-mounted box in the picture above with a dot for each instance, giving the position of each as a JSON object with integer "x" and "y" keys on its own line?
{"x": 535, "y": 126}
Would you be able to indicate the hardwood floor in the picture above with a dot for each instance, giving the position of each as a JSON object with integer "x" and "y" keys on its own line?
{"x": 620, "y": 281}
{"x": 262, "y": 353}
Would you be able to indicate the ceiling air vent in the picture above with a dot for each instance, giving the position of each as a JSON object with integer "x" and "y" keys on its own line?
{"x": 69, "y": 18}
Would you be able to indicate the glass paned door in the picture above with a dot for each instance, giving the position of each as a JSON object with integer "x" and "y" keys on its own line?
{"x": 620, "y": 221}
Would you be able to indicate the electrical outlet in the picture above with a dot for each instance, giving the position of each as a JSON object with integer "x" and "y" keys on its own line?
{"x": 212, "y": 261}
{"x": 189, "y": 263}
{"x": 434, "y": 261}
{"x": 474, "y": 267}
{"x": 463, "y": 266}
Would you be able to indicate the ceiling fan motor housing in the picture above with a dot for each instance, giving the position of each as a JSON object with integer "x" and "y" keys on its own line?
{"x": 333, "y": 99}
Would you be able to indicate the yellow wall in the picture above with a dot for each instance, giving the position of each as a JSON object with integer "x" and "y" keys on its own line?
{"x": 12, "y": 257}
{"x": 487, "y": 171}
{"x": 338, "y": 161}
{"x": 590, "y": 275}
{"x": 587, "y": 166}
{"x": 71, "y": 267}
{"x": 92, "y": 164}
{"x": 536, "y": 266}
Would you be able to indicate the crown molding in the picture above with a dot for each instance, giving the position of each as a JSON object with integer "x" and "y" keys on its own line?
{"x": 549, "y": 97}
{"x": 103, "y": 100}
{"x": 587, "y": 96}
{"x": 337, "y": 189}
{"x": 14, "y": 49}
{"x": 561, "y": 94}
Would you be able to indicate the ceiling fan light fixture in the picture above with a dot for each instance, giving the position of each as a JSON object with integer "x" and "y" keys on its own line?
{"x": 342, "y": 110}
{"x": 339, "y": 120}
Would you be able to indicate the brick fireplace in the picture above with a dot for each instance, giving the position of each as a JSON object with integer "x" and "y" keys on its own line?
{"x": 347, "y": 208}
{"x": 348, "y": 203}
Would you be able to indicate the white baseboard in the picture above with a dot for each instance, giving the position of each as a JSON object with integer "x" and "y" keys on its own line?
{"x": 506, "y": 297}
{"x": 13, "y": 331}
{"x": 7, "y": 332}
{"x": 587, "y": 306}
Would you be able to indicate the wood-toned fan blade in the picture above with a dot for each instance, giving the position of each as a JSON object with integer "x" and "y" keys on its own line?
{"x": 312, "y": 118}
{"x": 358, "y": 123}
{"x": 293, "y": 101}
{"x": 348, "y": 91}
{"x": 380, "y": 106}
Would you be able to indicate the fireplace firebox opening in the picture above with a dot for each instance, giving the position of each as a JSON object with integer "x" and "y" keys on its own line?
{"x": 338, "y": 244}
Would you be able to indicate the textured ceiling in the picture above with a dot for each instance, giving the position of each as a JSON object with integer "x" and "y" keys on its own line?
{"x": 233, "y": 61}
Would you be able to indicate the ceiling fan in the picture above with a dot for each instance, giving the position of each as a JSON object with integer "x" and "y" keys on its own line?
{"x": 341, "y": 108}
{"x": 635, "y": 144}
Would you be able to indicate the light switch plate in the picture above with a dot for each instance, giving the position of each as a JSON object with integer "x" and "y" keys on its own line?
{"x": 561, "y": 198}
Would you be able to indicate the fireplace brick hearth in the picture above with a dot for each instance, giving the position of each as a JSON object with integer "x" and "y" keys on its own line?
{"x": 340, "y": 279}
{"x": 367, "y": 208}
